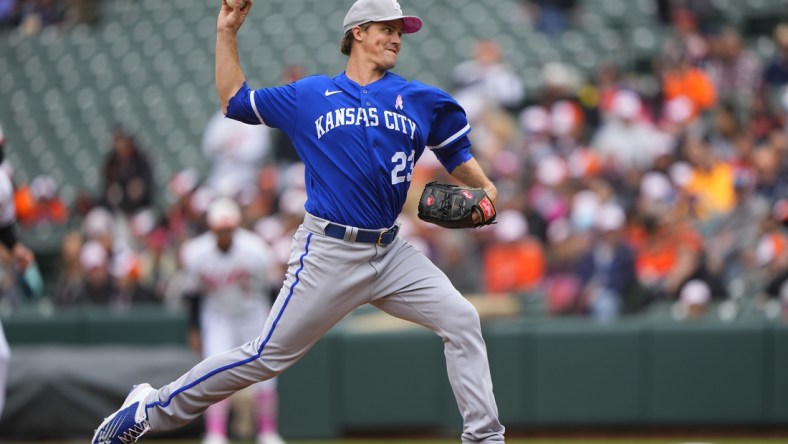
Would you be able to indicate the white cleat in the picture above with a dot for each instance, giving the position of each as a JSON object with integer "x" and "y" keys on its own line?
{"x": 215, "y": 439}
{"x": 269, "y": 438}
{"x": 129, "y": 422}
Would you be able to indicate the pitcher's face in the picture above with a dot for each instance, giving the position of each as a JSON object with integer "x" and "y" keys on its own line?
{"x": 381, "y": 43}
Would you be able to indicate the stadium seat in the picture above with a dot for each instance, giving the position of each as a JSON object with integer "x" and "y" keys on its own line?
{"x": 148, "y": 65}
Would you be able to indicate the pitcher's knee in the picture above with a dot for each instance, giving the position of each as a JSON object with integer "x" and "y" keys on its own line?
{"x": 462, "y": 318}
{"x": 272, "y": 370}
{"x": 276, "y": 360}
{"x": 469, "y": 314}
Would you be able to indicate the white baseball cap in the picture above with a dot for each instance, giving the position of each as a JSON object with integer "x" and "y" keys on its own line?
{"x": 626, "y": 104}
{"x": 610, "y": 217}
{"x": 365, "y": 11}
{"x": 43, "y": 186}
{"x": 695, "y": 292}
{"x": 223, "y": 213}
{"x": 92, "y": 255}
{"x": 98, "y": 222}
{"x": 511, "y": 226}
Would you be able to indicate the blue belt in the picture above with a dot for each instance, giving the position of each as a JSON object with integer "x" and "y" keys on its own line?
{"x": 365, "y": 236}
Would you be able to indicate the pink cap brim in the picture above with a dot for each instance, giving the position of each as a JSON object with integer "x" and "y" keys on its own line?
{"x": 411, "y": 24}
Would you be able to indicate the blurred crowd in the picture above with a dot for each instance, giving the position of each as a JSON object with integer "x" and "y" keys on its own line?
{"x": 616, "y": 192}
{"x": 34, "y": 16}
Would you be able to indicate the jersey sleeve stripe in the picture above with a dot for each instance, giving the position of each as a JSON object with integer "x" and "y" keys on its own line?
{"x": 254, "y": 107}
{"x": 451, "y": 139}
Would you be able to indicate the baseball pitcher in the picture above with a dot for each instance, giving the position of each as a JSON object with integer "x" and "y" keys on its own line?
{"x": 359, "y": 135}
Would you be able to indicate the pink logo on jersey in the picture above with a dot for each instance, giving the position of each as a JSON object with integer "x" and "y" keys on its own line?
{"x": 467, "y": 194}
{"x": 398, "y": 103}
{"x": 430, "y": 201}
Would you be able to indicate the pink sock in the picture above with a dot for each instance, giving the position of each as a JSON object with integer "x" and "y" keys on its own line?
{"x": 267, "y": 409}
{"x": 216, "y": 418}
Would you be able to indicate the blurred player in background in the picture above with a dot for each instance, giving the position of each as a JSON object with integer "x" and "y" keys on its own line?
{"x": 21, "y": 255}
{"x": 226, "y": 272}
{"x": 235, "y": 152}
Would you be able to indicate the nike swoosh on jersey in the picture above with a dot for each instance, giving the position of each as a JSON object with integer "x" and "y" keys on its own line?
{"x": 331, "y": 93}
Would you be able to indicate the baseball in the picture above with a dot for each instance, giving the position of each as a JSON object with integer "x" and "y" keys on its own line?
{"x": 231, "y": 3}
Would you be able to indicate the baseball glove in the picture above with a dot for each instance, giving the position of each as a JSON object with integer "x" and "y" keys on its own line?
{"x": 452, "y": 206}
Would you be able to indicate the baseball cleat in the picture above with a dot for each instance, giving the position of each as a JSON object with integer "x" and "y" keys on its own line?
{"x": 269, "y": 438}
{"x": 215, "y": 439}
{"x": 128, "y": 423}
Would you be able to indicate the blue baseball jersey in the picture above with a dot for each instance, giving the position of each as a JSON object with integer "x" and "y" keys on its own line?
{"x": 359, "y": 143}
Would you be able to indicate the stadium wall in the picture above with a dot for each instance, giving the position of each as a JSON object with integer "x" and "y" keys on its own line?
{"x": 546, "y": 373}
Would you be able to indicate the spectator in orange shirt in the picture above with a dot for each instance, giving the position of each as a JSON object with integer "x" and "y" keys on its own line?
{"x": 667, "y": 253}
{"x": 515, "y": 261}
{"x": 681, "y": 79}
{"x": 40, "y": 203}
{"x": 24, "y": 203}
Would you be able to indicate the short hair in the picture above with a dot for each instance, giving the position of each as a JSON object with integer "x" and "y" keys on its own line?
{"x": 346, "y": 45}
